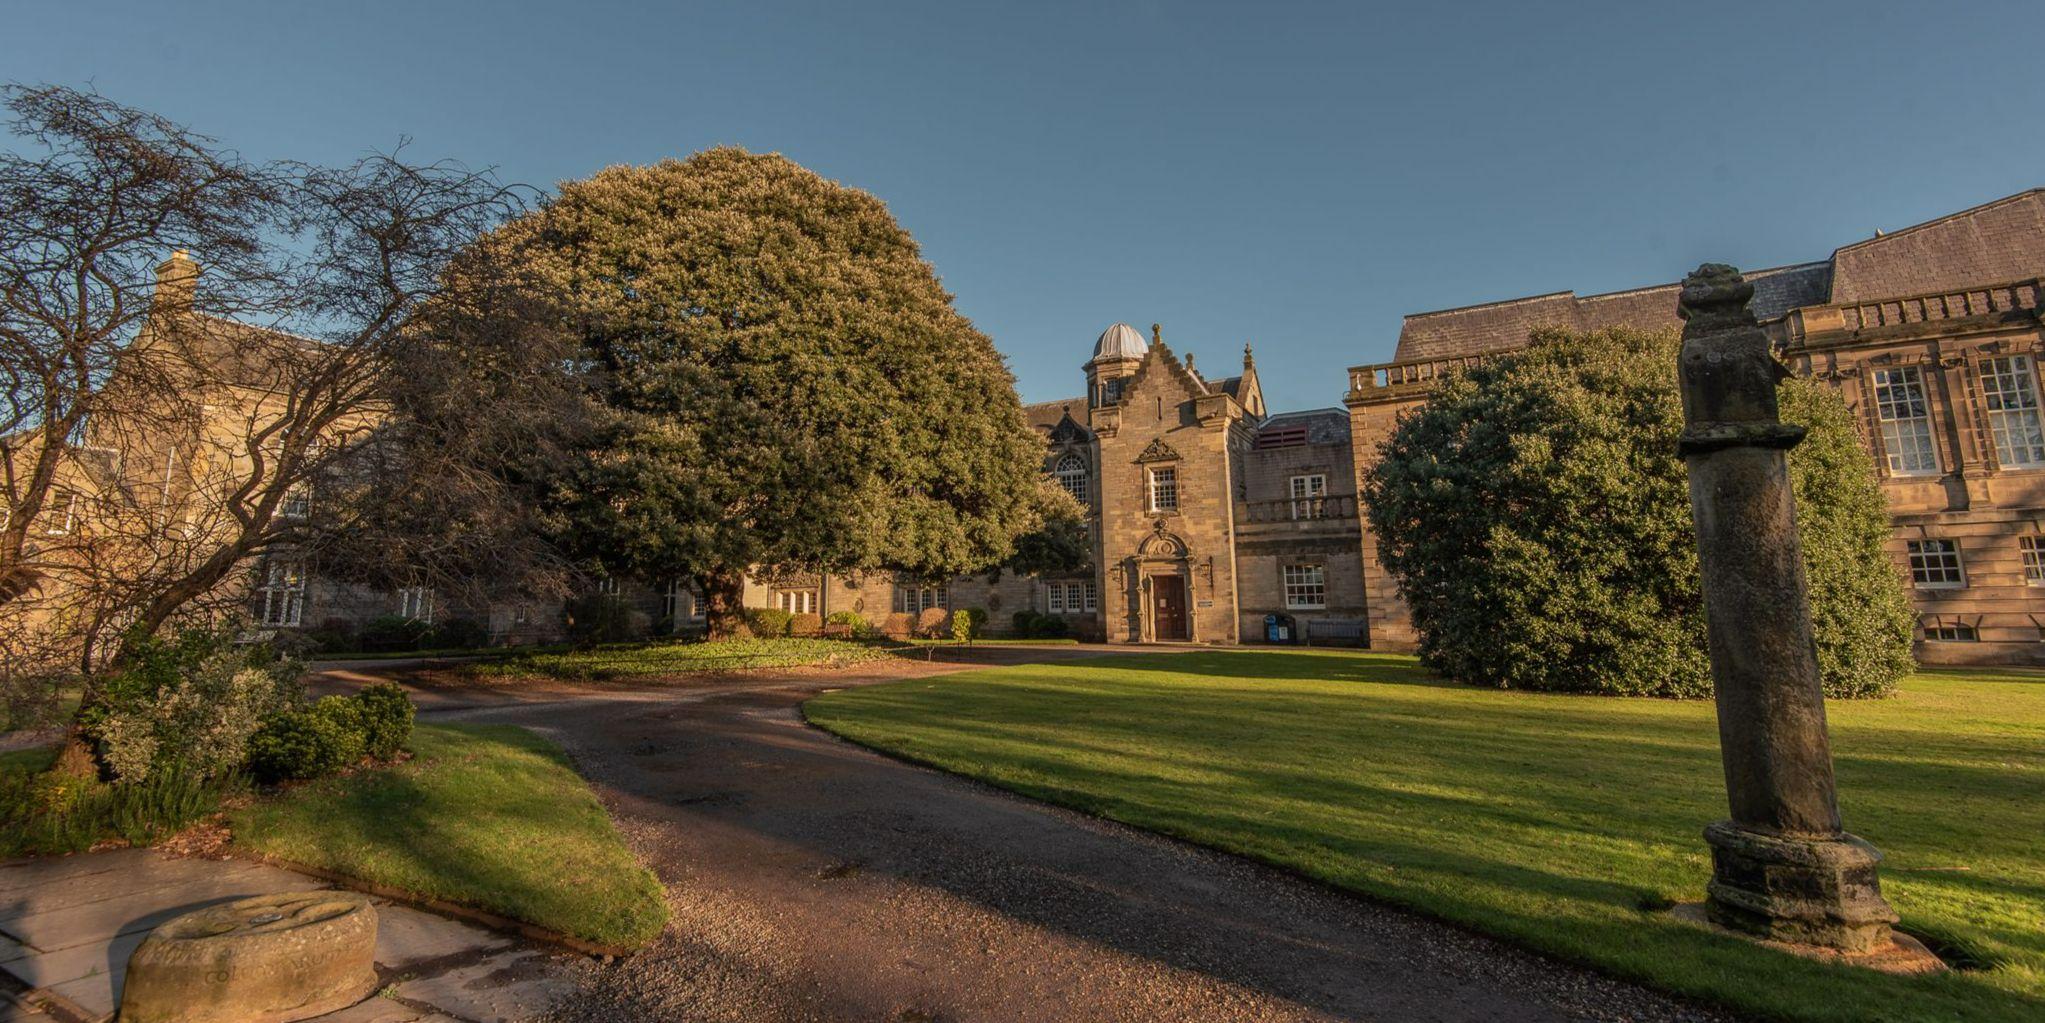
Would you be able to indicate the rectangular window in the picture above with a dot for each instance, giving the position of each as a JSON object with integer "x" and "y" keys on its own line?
{"x": 1935, "y": 564}
{"x": 911, "y": 600}
{"x": 1951, "y": 633}
{"x": 60, "y": 513}
{"x": 2010, "y": 391}
{"x": 796, "y": 602}
{"x": 1306, "y": 587}
{"x": 1309, "y": 495}
{"x": 1906, "y": 421}
{"x": 607, "y": 586}
{"x": 1070, "y": 598}
{"x": 1164, "y": 489}
{"x": 416, "y": 603}
{"x": 679, "y": 604}
{"x": 283, "y": 593}
{"x": 2033, "y": 550}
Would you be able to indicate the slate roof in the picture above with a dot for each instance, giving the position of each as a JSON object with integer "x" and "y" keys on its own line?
{"x": 1044, "y": 415}
{"x": 1995, "y": 242}
{"x": 1495, "y": 326}
{"x": 1323, "y": 425}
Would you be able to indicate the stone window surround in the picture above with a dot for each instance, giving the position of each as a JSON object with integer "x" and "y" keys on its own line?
{"x": 1151, "y": 491}
{"x": 282, "y": 592}
{"x": 1287, "y": 584}
{"x": 2031, "y": 553}
{"x": 1952, "y": 379}
{"x": 1935, "y": 563}
{"x": 416, "y": 603}
{"x": 2021, "y": 369}
{"x": 1907, "y": 375}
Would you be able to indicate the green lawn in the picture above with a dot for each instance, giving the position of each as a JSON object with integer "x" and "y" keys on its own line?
{"x": 1564, "y": 823}
{"x": 645, "y": 662}
{"x": 487, "y": 815}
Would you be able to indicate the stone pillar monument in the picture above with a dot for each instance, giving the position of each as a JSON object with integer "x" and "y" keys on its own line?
{"x": 1782, "y": 868}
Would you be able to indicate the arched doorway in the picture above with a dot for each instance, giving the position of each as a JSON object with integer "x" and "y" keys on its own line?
{"x": 1165, "y": 577}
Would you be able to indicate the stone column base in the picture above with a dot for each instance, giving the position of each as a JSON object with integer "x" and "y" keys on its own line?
{"x": 1802, "y": 891}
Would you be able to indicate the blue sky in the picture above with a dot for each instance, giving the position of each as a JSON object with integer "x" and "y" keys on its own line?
{"x": 1293, "y": 175}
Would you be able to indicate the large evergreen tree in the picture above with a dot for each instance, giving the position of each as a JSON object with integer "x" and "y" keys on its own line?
{"x": 1538, "y": 521}
{"x": 779, "y": 381}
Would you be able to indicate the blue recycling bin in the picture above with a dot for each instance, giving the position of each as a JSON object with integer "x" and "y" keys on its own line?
{"x": 1280, "y": 629}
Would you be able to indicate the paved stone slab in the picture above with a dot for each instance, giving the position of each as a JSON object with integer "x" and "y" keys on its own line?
{"x": 505, "y": 987}
{"x": 406, "y": 937}
{"x": 12, "y": 1013}
{"x": 132, "y": 908}
{"x": 95, "y": 957}
{"x": 16, "y": 875}
{"x": 80, "y": 917}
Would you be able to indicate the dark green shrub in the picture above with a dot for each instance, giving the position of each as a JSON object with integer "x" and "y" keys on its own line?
{"x": 387, "y": 633}
{"x": 307, "y": 743}
{"x": 333, "y": 636}
{"x": 1051, "y": 627}
{"x": 459, "y": 634}
{"x": 386, "y": 714}
{"x": 1538, "y": 521}
{"x": 599, "y": 618}
{"x": 768, "y": 622}
{"x": 1024, "y": 622}
{"x": 968, "y": 624}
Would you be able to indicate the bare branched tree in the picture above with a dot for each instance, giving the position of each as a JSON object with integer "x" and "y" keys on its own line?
{"x": 169, "y": 424}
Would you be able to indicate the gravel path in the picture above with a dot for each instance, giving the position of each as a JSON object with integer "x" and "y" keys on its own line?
{"x": 812, "y": 880}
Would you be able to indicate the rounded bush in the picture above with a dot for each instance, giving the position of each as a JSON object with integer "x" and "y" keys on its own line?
{"x": 1537, "y": 520}
{"x": 385, "y": 714}
{"x": 768, "y": 621}
{"x": 933, "y": 623}
{"x": 302, "y": 744}
{"x": 805, "y": 625}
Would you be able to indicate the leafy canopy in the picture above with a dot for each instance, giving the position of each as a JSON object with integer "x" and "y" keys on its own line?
{"x": 779, "y": 378}
{"x": 1538, "y": 521}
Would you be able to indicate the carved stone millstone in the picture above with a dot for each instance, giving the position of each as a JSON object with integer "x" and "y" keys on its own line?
{"x": 269, "y": 959}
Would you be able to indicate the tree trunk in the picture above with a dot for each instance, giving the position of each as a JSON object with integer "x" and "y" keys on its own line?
{"x": 723, "y": 604}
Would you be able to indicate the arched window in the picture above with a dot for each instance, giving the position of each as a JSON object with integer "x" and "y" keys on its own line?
{"x": 1071, "y": 474}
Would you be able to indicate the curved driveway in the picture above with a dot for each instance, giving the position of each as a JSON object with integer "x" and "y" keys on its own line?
{"x": 813, "y": 880}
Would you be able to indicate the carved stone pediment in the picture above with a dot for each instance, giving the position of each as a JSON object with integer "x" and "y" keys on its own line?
{"x": 1161, "y": 543}
{"x": 1158, "y": 451}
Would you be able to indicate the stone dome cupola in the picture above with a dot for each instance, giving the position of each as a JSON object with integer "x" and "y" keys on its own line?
{"x": 1117, "y": 343}
{"x": 1116, "y": 355}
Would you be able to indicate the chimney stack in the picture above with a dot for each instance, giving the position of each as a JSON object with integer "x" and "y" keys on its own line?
{"x": 177, "y": 281}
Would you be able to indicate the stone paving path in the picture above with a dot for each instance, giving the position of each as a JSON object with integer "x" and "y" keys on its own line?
{"x": 69, "y": 923}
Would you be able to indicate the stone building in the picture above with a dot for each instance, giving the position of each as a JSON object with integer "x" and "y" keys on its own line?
{"x": 1932, "y": 334}
{"x": 1212, "y": 520}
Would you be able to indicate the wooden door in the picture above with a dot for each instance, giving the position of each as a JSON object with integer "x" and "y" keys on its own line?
{"x": 1168, "y": 607}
